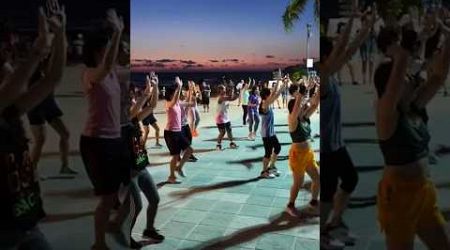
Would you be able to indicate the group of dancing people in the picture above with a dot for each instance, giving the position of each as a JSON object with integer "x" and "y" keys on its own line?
{"x": 113, "y": 141}
{"x": 415, "y": 66}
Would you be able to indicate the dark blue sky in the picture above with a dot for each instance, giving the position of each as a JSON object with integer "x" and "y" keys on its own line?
{"x": 204, "y": 31}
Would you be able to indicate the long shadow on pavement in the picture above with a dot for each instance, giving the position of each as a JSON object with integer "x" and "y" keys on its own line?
{"x": 200, "y": 189}
{"x": 57, "y": 154}
{"x": 361, "y": 141}
{"x": 76, "y": 193}
{"x": 279, "y": 222}
{"x": 249, "y": 162}
{"x": 255, "y": 147}
{"x": 226, "y": 139}
{"x": 358, "y": 124}
{"x": 53, "y": 218}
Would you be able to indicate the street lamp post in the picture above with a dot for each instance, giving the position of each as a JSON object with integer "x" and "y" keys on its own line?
{"x": 308, "y": 36}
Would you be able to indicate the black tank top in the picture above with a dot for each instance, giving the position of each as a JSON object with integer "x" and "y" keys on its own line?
{"x": 302, "y": 132}
{"x": 409, "y": 142}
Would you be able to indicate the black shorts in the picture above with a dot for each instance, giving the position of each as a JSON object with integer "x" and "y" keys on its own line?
{"x": 226, "y": 126}
{"x": 149, "y": 120}
{"x": 205, "y": 100}
{"x": 175, "y": 141}
{"x": 48, "y": 110}
{"x": 103, "y": 161}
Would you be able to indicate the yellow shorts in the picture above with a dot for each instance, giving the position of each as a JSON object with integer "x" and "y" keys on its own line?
{"x": 405, "y": 206}
{"x": 299, "y": 159}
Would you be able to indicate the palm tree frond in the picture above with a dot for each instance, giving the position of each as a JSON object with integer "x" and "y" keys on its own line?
{"x": 292, "y": 13}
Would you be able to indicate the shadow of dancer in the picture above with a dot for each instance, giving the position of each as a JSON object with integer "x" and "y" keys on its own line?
{"x": 200, "y": 189}
{"x": 278, "y": 222}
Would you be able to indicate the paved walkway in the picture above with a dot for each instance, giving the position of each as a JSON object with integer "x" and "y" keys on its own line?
{"x": 221, "y": 204}
{"x": 360, "y": 136}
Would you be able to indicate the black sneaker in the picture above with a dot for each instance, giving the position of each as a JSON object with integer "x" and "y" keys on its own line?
{"x": 135, "y": 245}
{"x": 219, "y": 147}
{"x": 233, "y": 145}
{"x": 192, "y": 159}
{"x": 153, "y": 234}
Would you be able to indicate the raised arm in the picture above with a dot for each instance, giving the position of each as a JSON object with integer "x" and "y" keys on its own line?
{"x": 275, "y": 94}
{"x": 176, "y": 95}
{"x": 110, "y": 57}
{"x": 153, "y": 100}
{"x": 439, "y": 71}
{"x": 57, "y": 63}
{"x": 16, "y": 83}
{"x": 293, "y": 116}
{"x": 387, "y": 107}
{"x": 314, "y": 104}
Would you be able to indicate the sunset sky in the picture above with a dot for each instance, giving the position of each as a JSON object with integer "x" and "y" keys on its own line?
{"x": 205, "y": 35}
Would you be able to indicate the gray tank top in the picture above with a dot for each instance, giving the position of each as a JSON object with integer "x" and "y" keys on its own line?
{"x": 330, "y": 119}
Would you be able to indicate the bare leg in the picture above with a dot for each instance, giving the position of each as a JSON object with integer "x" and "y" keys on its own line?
{"x": 341, "y": 199}
{"x": 295, "y": 188}
{"x": 187, "y": 153}
{"x": 313, "y": 172}
{"x": 435, "y": 238}
{"x": 102, "y": 213}
{"x": 39, "y": 134}
{"x": 59, "y": 126}
{"x": 173, "y": 165}
{"x": 146, "y": 131}
{"x": 157, "y": 129}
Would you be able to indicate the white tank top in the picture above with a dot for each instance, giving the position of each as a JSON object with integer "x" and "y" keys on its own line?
{"x": 222, "y": 112}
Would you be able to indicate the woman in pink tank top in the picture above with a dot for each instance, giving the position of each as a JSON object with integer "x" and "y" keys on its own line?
{"x": 100, "y": 143}
{"x": 173, "y": 136}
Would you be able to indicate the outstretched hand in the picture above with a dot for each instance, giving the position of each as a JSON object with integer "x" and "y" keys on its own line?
{"x": 56, "y": 16}
{"x": 114, "y": 20}
{"x": 43, "y": 43}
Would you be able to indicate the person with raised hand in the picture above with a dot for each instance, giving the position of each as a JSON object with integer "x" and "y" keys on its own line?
{"x": 407, "y": 199}
{"x": 301, "y": 155}
{"x": 173, "y": 135}
{"x": 136, "y": 157}
{"x": 18, "y": 183}
{"x": 48, "y": 110}
{"x": 272, "y": 146}
{"x": 336, "y": 163}
{"x": 244, "y": 95}
{"x": 100, "y": 142}
{"x": 150, "y": 119}
{"x": 222, "y": 120}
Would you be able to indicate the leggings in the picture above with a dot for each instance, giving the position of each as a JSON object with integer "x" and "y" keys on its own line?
{"x": 144, "y": 182}
{"x": 336, "y": 165}
{"x": 244, "y": 118}
{"x": 271, "y": 145}
{"x": 197, "y": 117}
{"x": 253, "y": 121}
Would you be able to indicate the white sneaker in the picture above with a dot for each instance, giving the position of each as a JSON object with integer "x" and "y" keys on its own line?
{"x": 267, "y": 175}
{"x": 329, "y": 243}
{"x": 344, "y": 236}
{"x": 250, "y": 136}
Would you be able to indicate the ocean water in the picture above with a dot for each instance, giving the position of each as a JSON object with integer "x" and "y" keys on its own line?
{"x": 212, "y": 78}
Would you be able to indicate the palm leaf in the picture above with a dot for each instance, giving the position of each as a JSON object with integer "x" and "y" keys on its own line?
{"x": 295, "y": 9}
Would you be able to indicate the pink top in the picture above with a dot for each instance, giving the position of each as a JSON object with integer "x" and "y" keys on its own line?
{"x": 174, "y": 118}
{"x": 103, "y": 98}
